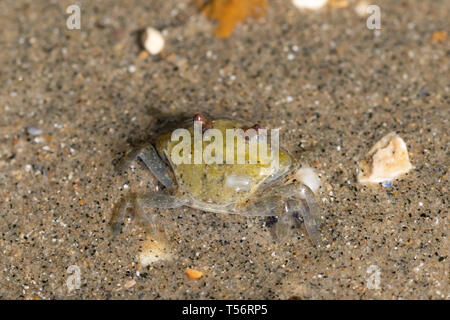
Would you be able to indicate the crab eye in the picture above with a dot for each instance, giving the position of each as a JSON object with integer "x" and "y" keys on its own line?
{"x": 206, "y": 124}
{"x": 255, "y": 127}
{"x": 252, "y": 133}
{"x": 200, "y": 117}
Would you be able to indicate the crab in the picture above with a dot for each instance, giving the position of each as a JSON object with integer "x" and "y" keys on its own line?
{"x": 249, "y": 189}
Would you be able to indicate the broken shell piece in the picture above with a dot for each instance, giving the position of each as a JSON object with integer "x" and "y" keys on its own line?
{"x": 308, "y": 177}
{"x": 309, "y": 4}
{"x": 152, "y": 251}
{"x": 387, "y": 160}
{"x": 152, "y": 41}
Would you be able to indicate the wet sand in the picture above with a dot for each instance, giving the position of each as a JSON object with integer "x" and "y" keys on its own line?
{"x": 332, "y": 86}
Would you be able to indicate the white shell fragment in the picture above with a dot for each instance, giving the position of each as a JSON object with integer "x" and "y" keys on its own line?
{"x": 387, "y": 160}
{"x": 152, "y": 41}
{"x": 308, "y": 177}
{"x": 309, "y": 4}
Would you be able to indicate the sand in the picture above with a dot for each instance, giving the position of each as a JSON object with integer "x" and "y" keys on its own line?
{"x": 331, "y": 85}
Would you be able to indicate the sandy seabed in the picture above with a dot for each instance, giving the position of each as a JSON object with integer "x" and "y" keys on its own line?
{"x": 73, "y": 101}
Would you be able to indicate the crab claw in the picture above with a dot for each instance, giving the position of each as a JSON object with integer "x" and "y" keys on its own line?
{"x": 301, "y": 205}
{"x": 310, "y": 224}
{"x": 310, "y": 215}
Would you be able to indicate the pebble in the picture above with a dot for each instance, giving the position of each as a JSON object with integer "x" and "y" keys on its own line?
{"x": 193, "y": 274}
{"x": 34, "y": 131}
{"x": 309, "y": 4}
{"x": 131, "y": 69}
{"x": 387, "y": 160}
{"x": 387, "y": 184}
{"x": 361, "y": 8}
{"x": 152, "y": 41}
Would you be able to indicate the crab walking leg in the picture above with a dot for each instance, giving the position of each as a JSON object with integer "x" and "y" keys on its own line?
{"x": 151, "y": 158}
{"x": 266, "y": 207}
{"x": 158, "y": 200}
{"x": 119, "y": 214}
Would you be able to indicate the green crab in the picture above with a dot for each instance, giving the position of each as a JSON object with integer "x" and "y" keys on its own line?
{"x": 248, "y": 189}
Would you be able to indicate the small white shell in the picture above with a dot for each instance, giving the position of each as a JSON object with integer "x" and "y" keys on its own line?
{"x": 152, "y": 41}
{"x": 361, "y": 8}
{"x": 309, "y": 4}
